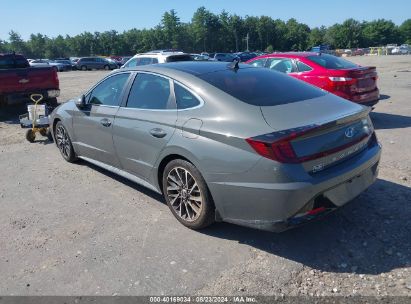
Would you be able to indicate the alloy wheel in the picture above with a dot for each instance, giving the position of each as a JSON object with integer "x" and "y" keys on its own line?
{"x": 63, "y": 141}
{"x": 184, "y": 194}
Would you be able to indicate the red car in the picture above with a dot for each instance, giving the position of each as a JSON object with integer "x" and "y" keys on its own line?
{"x": 331, "y": 73}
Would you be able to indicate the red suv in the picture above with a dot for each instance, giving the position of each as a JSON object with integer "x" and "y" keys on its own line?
{"x": 331, "y": 73}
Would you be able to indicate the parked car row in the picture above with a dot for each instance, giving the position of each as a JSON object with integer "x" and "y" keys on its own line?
{"x": 84, "y": 63}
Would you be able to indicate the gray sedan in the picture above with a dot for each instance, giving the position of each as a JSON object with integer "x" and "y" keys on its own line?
{"x": 224, "y": 142}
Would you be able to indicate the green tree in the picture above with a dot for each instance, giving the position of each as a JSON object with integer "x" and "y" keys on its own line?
{"x": 405, "y": 30}
{"x": 317, "y": 36}
{"x": 266, "y": 32}
{"x": 4, "y": 48}
{"x": 381, "y": 32}
{"x": 171, "y": 26}
{"x": 236, "y": 25}
{"x": 36, "y": 46}
{"x": 16, "y": 43}
{"x": 297, "y": 35}
{"x": 199, "y": 25}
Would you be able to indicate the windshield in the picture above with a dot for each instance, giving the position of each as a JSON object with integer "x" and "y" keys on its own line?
{"x": 261, "y": 87}
{"x": 332, "y": 62}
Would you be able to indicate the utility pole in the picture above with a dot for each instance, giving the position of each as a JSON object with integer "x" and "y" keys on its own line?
{"x": 246, "y": 39}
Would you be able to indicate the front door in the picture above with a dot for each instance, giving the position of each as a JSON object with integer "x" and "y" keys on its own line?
{"x": 93, "y": 125}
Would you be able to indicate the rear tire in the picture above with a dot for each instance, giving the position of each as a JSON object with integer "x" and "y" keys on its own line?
{"x": 30, "y": 135}
{"x": 187, "y": 195}
{"x": 43, "y": 132}
{"x": 63, "y": 142}
{"x": 49, "y": 135}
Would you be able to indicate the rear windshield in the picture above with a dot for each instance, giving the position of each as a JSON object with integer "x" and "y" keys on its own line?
{"x": 332, "y": 62}
{"x": 175, "y": 58}
{"x": 11, "y": 62}
{"x": 261, "y": 87}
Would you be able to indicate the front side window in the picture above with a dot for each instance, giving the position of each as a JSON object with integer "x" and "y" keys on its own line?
{"x": 149, "y": 92}
{"x": 144, "y": 61}
{"x": 109, "y": 91}
{"x": 184, "y": 98}
{"x": 282, "y": 65}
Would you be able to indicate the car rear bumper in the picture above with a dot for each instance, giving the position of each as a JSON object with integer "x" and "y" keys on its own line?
{"x": 23, "y": 97}
{"x": 366, "y": 98}
{"x": 280, "y": 206}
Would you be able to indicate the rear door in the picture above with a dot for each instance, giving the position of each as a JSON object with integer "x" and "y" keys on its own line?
{"x": 145, "y": 123}
{"x": 93, "y": 125}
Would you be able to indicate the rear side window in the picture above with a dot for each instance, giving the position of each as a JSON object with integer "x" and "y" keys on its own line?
{"x": 184, "y": 98}
{"x": 261, "y": 87}
{"x": 149, "y": 92}
{"x": 282, "y": 65}
{"x": 144, "y": 61}
{"x": 332, "y": 62}
{"x": 302, "y": 67}
{"x": 6, "y": 63}
{"x": 179, "y": 58}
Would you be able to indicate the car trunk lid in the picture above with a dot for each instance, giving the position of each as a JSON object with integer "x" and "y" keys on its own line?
{"x": 323, "y": 131}
{"x": 354, "y": 80}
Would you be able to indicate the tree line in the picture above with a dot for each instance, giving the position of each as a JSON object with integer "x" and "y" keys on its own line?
{"x": 211, "y": 32}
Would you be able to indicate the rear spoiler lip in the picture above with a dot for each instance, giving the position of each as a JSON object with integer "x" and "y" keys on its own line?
{"x": 284, "y": 134}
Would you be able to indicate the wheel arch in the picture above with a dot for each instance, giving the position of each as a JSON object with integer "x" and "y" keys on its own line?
{"x": 163, "y": 163}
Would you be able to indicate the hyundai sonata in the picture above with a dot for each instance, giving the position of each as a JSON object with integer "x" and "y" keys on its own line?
{"x": 224, "y": 142}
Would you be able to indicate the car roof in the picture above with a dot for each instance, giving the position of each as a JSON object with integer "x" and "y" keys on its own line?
{"x": 190, "y": 67}
{"x": 290, "y": 55}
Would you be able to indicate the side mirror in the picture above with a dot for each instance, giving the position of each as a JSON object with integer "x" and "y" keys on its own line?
{"x": 81, "y": 102}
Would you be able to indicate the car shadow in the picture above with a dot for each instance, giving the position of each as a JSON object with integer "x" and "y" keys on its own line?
{"x": 125, "y": 181}
{"x": 370, "y": 235}
{"x": 390, "y": 121}
{"x": 384, "y": 97}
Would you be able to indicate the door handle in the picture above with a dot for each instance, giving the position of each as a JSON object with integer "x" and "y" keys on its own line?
{"x": 105, "y": 122}
{"x": 157, "y": 132}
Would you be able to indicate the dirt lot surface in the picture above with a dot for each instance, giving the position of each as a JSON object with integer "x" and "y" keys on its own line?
{"x": 74, "y": 229}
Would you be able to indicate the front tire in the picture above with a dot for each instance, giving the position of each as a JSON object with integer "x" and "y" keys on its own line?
{"x": 106, "y": 67}
{"x": 83, "y": 68}
{"x": 63, "y": 142}
{"x": 187, "y": 195}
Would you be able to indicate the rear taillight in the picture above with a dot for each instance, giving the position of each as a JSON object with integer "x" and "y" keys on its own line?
{"x": 281, "y": 149}
{"x": 56, "y": 77}
{"x": 342, "y": 81}
{"x": 277, "y": 146}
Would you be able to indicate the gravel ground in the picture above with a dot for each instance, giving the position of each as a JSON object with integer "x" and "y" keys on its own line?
{"x": 78, "y": 230}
